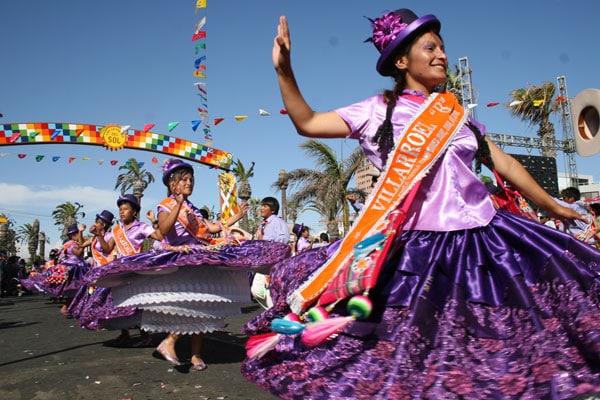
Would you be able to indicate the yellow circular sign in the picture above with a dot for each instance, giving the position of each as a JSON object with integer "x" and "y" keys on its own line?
{"x": 114, "y": 139}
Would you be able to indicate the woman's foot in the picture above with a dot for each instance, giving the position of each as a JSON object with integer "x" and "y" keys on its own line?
{"x": 64, "y": 310}
{"x": 166, "y": 349}
{"x": 197, "y": 363}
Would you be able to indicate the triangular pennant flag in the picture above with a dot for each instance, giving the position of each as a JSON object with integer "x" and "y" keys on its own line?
{"x": 199, "y": 83}
{"x": 199, "y": 25}
{"x": 240, "y": 117}
{"x": 199, "y": 74}
{"x": 154, "y": 160}
{"x": 195, "y": 124}
{"x": 198, "y": 61}
{"x": 39, "y": 157}
{"x": 21, "y": 155}
{"x": 208, "y": 137}
{"x": 218, "y": 121}
{"x": 200, "y": 4}
{"x": 55, "y": 158}
{"x": 141, "y": 164}
{"x": 560, "y": 98}
{"x": 71, "y": 159}
{"x": 4, "y": 154}
{"x": 198, "y": 47}
{"x": 515, "y": 103}
{"x": 208, "y": 143}
{"x": 537, "y": 103}
{"x": 202, "y": 89}
{"x": 263, "y": 112}
{"x": 173, "y": 125}
{"x": 493, "y": 104}
{"x": 100, "y": 162}
{"x": 283, "y": 111}
{"x": 206, "y": 130}
{"x": 199, "y": 35}
{"x": 85, "y": 158}
{"x": 472, "y": 105}
{"x": 202, "y": 110}
{"x": 202, "y": 67}
{"x": 33, "y": 134}
{"x": 147, "y": 127}
{"x": 125, "y": 128}
{"x": 114, "y": 162}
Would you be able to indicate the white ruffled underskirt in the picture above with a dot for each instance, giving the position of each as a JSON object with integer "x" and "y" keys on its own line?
{"x": 189, "y": 300}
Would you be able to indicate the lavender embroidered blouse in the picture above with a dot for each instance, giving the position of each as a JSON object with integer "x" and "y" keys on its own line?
{"x": 451, "y": 196}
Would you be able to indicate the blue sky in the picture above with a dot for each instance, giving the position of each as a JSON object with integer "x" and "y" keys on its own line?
{"x": 131, "y": 63}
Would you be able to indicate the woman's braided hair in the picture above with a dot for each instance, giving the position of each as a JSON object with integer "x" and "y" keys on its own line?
{"x": 482, "y": 156}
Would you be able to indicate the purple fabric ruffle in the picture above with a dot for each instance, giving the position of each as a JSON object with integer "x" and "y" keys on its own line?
{"x": 251, "y": 255}
{"x": 92, "y": 306}
{"x": 509, "y": 310}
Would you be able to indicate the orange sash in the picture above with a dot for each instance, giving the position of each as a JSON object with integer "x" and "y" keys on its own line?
{"x": 98, "y": 256}
{"x": 192, "y": 223}
{"x": 423, "y": 141}
{"x": 124, "y": 246}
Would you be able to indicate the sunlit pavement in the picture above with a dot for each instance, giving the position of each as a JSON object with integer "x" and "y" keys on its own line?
{"x": 44, "y": 355}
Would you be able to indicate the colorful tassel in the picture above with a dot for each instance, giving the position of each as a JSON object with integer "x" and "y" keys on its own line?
{"x": 259, "y": 345}
{"x": 317, "y": 333}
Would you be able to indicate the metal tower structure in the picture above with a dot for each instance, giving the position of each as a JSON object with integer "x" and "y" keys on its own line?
{"x": 566, "y": 145}
{"x": 466, "y": 86}
{"x": 568, "y": 134}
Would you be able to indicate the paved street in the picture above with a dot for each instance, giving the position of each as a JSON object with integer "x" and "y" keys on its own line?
{"x": 45, "y": 356}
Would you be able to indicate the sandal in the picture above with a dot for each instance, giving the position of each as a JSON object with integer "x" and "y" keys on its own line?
{"x": 165, "y": 353}
{"x": 199, "y": 366}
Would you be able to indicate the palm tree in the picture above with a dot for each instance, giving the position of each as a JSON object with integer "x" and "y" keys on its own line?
{"x": 534, "y": 105}
{"x": 453, "y": 84}
{"x": 244, "y": 190}
{"x": 30, "y": 233}
{"x": 135, "y": 178}
{"x": 65, "y": 214}
{"x": 8, "y": 236}
{"x": 325, "y": 188}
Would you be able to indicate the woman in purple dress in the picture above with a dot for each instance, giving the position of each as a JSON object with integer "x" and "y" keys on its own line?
{"x": 471, "y": 302}
{"x": 96, "y": 309}
{"x": 64, "y": 279}
{"x": 193, "y": 281}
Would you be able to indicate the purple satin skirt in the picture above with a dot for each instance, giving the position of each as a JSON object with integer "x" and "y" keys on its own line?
{"x": 509, "y": 310}
{"x": 69, "y": 287}
{"x": 94, "y": 309}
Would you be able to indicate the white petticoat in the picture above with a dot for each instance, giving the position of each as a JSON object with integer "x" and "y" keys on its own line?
{"x": 189, "y": 300}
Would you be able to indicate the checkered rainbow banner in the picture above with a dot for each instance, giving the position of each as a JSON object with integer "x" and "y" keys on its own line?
{"x": 114, "y": 137}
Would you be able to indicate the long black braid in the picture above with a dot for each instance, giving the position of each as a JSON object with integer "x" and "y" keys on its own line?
{"x": 384, "y": 138}
{"x": 483, "y": 155}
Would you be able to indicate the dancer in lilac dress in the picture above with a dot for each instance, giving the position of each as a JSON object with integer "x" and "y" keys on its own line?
{"x": 35, "y": 281}
{"x": 471, "y": 303}
{"x": 101, "y": 234}
{"x": 194, "y": 281}
{"x": 64, "y": 279}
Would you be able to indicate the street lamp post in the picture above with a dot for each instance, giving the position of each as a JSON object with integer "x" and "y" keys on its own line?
{"x": 283, "y": 185}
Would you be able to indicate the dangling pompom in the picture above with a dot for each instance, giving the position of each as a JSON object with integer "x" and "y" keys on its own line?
{"x": 316, "y": 314}
{"x": 292, "y": 317}
{"x": 360, "y": 307}
{"x": 316, "y": 333}
{"x": 259, "y": 345}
